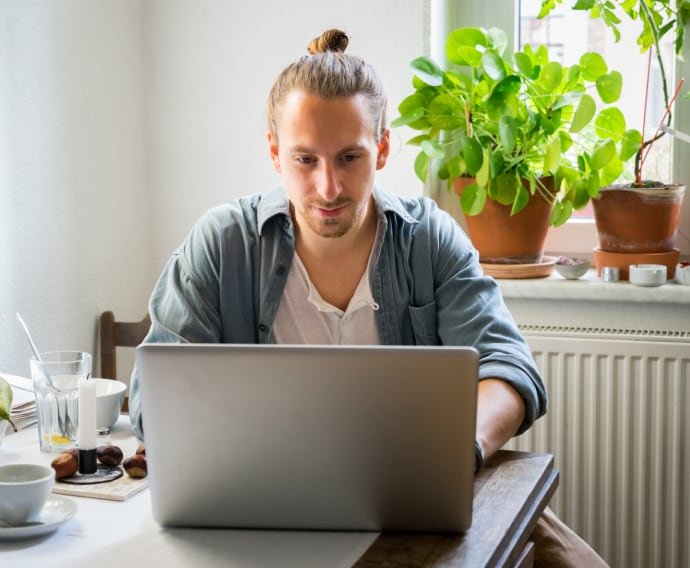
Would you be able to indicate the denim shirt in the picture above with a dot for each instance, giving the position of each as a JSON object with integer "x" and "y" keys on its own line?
{"x": 226, "y": 280}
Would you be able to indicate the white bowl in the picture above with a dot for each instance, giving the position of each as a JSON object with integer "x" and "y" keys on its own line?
{"x": 683, "y": 273}
{"x": 647, "y": 274}
{"x": 110, "y": 395}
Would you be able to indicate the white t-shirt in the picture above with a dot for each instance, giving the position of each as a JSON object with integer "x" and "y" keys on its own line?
{"x": 304, "y": 317}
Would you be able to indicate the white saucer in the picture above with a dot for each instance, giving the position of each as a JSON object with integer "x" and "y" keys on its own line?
{"x": 56, "y": 512}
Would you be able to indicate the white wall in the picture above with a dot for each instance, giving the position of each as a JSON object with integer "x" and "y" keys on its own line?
{"x": 73, "y": 180}
{"x": 121, "y": 121}
{"x": 212, "y": 65}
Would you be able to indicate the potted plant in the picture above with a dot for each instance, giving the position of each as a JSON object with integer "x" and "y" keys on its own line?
{"x": 515, "y": 131}
{"x": 637, "y": 221}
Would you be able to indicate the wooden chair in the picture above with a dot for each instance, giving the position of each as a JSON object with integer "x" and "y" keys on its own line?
{"x": 119, "y": 334}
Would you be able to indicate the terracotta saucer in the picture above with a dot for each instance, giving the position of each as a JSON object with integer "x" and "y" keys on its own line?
{"x": 622, "y": 260}
{"x": 537, "y": 270}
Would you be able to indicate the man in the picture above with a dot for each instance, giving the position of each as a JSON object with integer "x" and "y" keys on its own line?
{"x": 330, "y": 257}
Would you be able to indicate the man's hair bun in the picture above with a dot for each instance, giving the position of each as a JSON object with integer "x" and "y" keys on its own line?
{"x": 330, "y": 40}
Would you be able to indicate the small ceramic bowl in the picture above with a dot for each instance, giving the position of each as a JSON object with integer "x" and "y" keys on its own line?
{"x": 683, "y": 273}
{"x": 647, "y": 274}
{"x": 110, "y": 395}
{"x": 572, "y": 268}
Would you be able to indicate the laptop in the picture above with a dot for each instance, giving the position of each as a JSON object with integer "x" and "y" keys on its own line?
{"x": 361, "y": 438}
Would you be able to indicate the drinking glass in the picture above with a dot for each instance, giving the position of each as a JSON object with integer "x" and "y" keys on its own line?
{"x": 56, "y": 386}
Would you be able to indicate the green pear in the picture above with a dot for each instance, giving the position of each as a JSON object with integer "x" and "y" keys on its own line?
{"x": 6, "y": 401}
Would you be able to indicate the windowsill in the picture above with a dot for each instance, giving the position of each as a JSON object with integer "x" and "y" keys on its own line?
{"x": 591, "y": 303}
{"x": 591, "y": 288}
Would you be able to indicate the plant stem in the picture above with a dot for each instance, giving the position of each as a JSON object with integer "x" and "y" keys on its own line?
{"x": 646, "y": 15}
{"x": 640, "y": 160}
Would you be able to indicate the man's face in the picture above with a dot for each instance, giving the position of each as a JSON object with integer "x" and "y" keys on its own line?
{"x": 327, "y": 155}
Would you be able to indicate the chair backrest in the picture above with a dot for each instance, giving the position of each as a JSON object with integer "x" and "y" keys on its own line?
{"x": 119, "y": 334}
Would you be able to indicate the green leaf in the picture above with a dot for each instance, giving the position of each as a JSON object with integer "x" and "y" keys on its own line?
{"x": 417, "y": 140}
{"x": 507, "y": 85}
{"x": 610, "y": 123}
{"x": 551, "y": 76}
{"x": 553, "y": 154}
{"x": 523, "y": 63}
{"x": 493, "y": 65}
{"x": 603, "y": 153}
{"x": 461, "y": 46}
{"x": 609, "y": 86}
{"x": 498, "y": 39}
{"x": 521, "y": 199}
{"x": 433, "y": 149}
{"x": 409, "y": 118}
{"x": 561, "y": 212}
{"x": 483, "y": 172}
{"x": 428, "y": 71}
{"x": 421, "y": 166}
{"x": 506, "y": 188}
{"x": 473, "y": 199}
{"x": 593, "y": 185}
{"x": 456, "y": 167}
{"x": 631, "y": 142}
{"x": 567, "y": 99}
{"x": 546, "y": 7}
{"x": 583, "y": 114}
{"x": 579, "y": 196}
{"x": 507, "y": 132}
{"x": 592, "y": 66}
{"x": 446, "y": 112}
{"x": 6, "y": 401}
{"x": 611, "y": 171}
{"x": 472, "y": 153}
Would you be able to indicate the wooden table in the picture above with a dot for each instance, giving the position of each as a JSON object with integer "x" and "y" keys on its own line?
{"x": 511, "y": 492}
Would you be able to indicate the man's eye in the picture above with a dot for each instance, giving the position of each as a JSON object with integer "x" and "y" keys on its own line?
{"x": 305, "y": 159}
{"x": 350, "y": 157}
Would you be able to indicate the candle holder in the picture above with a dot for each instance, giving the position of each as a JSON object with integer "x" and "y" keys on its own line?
{"x": 102, "y": 474}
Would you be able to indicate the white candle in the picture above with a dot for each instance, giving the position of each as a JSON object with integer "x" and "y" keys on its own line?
{"x": 86, "y": 437}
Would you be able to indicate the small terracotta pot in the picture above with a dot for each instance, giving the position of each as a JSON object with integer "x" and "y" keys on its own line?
{"x": 504, "y": 239}
{"x": 638, "y": 220}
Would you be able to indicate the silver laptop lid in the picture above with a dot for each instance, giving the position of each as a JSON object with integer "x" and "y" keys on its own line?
{"x": 310, "y": 437}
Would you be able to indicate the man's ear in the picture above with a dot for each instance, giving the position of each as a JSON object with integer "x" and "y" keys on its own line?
{"x": 384, "y": 148}
{"x": 273, "y": 150}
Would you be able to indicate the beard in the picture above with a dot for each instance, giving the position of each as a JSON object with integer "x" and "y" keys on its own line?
{"x": 333, "y": 227}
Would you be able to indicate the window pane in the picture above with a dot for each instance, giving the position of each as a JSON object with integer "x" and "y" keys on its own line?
{"x": 569, "y": 33}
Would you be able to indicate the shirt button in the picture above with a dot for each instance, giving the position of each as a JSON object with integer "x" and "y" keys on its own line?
{"x": 263, "y": 327}
{"x": 280, "y": 270}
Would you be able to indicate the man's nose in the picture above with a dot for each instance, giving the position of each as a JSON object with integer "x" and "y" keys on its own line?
{"x": 328, "y": 185}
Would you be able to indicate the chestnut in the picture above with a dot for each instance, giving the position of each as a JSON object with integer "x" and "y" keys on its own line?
{"x": 135, "y": 466}
{"x": 65, "y": 465}
{"x": 109, "y": 455}
{"x": 141, "y": 449}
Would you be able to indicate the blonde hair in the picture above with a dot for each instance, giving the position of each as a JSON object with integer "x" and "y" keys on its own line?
{"x": 327, "y": 72}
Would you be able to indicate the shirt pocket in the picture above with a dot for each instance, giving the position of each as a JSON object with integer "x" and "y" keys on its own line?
{"x": 424, "y": 324}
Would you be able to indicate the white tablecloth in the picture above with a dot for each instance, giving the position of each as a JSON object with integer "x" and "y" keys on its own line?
{"x": 111, "y": 533}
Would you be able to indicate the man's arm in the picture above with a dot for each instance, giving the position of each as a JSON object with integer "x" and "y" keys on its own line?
{"x": 500, "y": 412}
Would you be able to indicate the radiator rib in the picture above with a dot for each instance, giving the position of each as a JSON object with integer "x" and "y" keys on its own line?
{"x": 619, "y": 429}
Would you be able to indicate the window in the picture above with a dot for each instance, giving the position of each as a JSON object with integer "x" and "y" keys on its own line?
{"x": 568, "y": 34}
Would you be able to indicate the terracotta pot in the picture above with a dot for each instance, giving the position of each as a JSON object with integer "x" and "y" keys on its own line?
{"x": 504, "y": 239}
{"x": 637, "y": 220}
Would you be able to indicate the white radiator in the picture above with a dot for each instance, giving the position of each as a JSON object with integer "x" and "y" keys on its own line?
{"x": 618, "y": 425}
